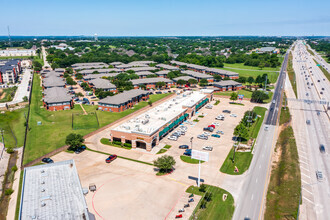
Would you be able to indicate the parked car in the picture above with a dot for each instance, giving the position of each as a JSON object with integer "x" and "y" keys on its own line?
{"x": 233, "y": 115}
{"x": 111, "y": 158}
{"x": 219, "y": 117}
{"x": 47, "y": 160}
{"x": 159, "y": 92}
{"x": 203, "y": 137}
{"x": 308, "y": 122}
{"x": 215, "y": 135}
{"x": 187, "y": 152}
{"x": 220, "y": 132}
{"x": 80, "y": 149}
{"x": 210, "y": 129}
{"x": 184, "y": 147}
{"x": 319, "y": 175}
{"x": 211, "y": 126}
{"x": 226, "y": 111}
{"x": 209, "y": 148}
{"x": 209, "y": 106}
{"x": 173, "y": 138}
{"x": 322, "y": 149}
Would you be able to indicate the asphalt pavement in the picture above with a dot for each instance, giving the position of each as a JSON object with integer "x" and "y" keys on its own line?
{"x": 250, "y": 203}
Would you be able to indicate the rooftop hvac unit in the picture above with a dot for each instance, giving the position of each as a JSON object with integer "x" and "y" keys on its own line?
{"x": 145, "y": 121}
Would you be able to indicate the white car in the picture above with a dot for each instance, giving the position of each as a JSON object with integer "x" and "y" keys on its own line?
{"x": 233, "y": 115}
{"x": 206, "y": 134}
{"x": 209, "y": 148}
{"x": 216, "y": 123}
{"x": 173, "y": 138}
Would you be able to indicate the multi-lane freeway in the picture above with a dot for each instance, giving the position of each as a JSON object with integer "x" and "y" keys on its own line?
{"x": 311, "y": 128}
{"x": 250, "y": 204}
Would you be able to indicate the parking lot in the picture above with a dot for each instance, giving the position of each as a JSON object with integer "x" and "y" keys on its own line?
{"x": 126, "y": 189}
{"x": 131, "y": 190}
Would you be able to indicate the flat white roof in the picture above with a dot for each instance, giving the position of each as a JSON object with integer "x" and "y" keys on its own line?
{"x": 52, "y": 191}
{"x": 151, "y": 121}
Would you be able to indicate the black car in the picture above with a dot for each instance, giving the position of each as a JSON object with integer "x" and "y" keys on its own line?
{"x": 47, "y": 160}
{"x": 183, "y": 147}
{"x": 80, "y": 149}
{"x": 159, "y": 92}
{"x": 322, "y": 149}
{"x": 226, "y": 111}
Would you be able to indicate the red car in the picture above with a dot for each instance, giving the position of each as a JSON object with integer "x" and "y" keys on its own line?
{"x": 111, "y": 158}
{"x": 213, "y": 126}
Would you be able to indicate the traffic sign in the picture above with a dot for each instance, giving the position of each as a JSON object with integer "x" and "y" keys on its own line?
{"x": 200, "y": 155}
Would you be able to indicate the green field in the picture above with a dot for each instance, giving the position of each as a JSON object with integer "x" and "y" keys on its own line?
{"x": 55, "y": 126}
{"x": 216, "y": 209}
{"x": 243, "y": 159}
{"x": 82, "y": 121}
{"x": 13, "y": 125}
{"x": 247, "y": 94}
{"x": 242, "y": 66}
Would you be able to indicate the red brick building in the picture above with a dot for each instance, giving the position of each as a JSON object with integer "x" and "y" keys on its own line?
{"x": 123, "y": 101}
{"x": 228, "y": 85}
{"x": 57, "y": 98}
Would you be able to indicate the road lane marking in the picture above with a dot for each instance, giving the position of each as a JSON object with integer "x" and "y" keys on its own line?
{"x": 256, "y": 180}
{"x": 259, "y": 166}
{"x": 252, "y": 197}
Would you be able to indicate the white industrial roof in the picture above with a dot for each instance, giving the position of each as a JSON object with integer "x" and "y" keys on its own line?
{"x": 52, "y": 191}
{"x": 151, "y": 121}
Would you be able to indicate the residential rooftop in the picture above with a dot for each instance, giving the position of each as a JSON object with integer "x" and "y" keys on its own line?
{"x": 151, "y": 121}
{"x": 197, "y": 75}
{"x": 123, "y": 97}
{"x": 56, "y": 95}
{"x": 224, "y": 83}
{"x": 221, "y": 72}
{"x": 53, "y": 81}
{"x": 150, "y": 80}
{"x": 100, "y": 83}
{"x": 167, "y": 67}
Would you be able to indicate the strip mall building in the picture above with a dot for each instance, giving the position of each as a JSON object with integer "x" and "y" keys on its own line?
{"x": 147, "y": 129}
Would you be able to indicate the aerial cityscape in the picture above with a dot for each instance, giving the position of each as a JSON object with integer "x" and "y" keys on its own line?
{"x": 199, "y": 110}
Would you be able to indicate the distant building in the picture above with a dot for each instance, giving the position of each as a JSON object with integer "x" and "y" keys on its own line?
{"x": 103, "y": 84}
{"x": 266, "y": 50}
{"x": 228, "y": 85}
{"x": 9, "y": 52}
{"x": 9, "y": 71}
{"x": 53, "y": 191}
{"x": 222, "y": 73}
{"x": 62, "y": 46}
{"x": 95, "y": 37}
{"x": 123, "y": 101}
{"x": 198, "y": 75}
{"x": 150, "y": 83}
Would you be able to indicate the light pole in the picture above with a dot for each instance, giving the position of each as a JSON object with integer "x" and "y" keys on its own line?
{"x": 191, "y": 139}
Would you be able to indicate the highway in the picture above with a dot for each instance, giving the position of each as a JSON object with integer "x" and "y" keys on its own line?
{"x": 250, "y": 203}
{"x": 310, "y": 81}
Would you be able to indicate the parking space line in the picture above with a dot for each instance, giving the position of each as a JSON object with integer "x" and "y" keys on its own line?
{"x": 178, "y": 181}
{"x": 307, "y": 191}
{"x": 305, "y": 175}
{"x": 304, "y": 168}
{"x": 308, "y": 200}
{"x": 304, "y": 181}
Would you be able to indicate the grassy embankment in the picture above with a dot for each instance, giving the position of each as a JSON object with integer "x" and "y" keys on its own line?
{"x": 292, "y": 76}
{"x": 216, "y": 208}
{"x": 325, "y": 72}
{"x": 13, "y": 125}
{"x": 243, "y": 159}
{"x": 285, "y": 183}
{"x": 55, "y": 126}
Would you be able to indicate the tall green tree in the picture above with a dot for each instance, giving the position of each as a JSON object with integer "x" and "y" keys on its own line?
{"x": 164, "y": 163}
{"x": 74, "y": 141}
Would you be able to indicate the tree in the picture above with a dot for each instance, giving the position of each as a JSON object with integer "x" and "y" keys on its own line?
{"x": 79, "y": 94}
{"x": 259, "y": 96}
{"x": 250, "y": 80}
{"x": 70, "y": 81}
{"x": 233, "y": 96}
{"x": 150, "y": 103}
{"x": 160, "y": 84}
{"x": 165, "y": 163}
{"x": 192, "y": 81}
{"x": 25, "y": 99}
{"x": 241, "y": 79}
{"x": 203, "y": 82}
{"x": 79, "y": 76}
{"x": 217, "y": 77}
{"x": 181, "y": 82}
{"x": 241, "y": 131}
{"x": 74, "y": 141}
{"x": 37, "y": 65}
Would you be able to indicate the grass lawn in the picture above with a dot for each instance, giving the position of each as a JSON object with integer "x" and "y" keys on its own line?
{"x": 243, "y": 159}
{"x": 107, "y": 142}
{"x": 247, "y": 73}
{"x": 188, "y": 159}
{"x": 161, "y": 151}
{"x": 7, "y": 95}
{"x": 285, "y": 181}
{"x": 291, "y": 75}
{"x": 285, "y": 115}
{"x": 13, "y": 125}
{"x": 216, "y": 209}
{"x": 82, "y": 121}
{"x": 242, "y": 66}
{"x": 51, "y": 134}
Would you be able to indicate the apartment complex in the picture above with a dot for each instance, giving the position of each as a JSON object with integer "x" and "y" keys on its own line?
{"x": 9, "y": 71}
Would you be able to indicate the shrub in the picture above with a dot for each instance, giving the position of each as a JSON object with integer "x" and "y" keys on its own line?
{"x": 208, "y": 196}
{"x": 10, "y": 150}
{"x": 203, "y": 204}
{"x": 14, "y": 168}
{"x": 202, "y": 188}
{"x": 128, "y": 145}
{"x": 9, "y": 192}
{"x": 117, "y": 142}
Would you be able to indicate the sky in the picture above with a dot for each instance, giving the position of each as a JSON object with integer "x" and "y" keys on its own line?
{"x": 165, "y": 17}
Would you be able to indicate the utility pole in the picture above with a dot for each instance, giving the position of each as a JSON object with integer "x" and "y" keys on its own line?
{"x": 9, "y": 38}
{"x": 191, "y": 139}
{"x": 266, "y": 82}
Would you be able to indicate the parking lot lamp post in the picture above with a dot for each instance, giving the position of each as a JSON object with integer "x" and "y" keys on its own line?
{"x": 235, "y": 146}
{"x": 191, "y": 139}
